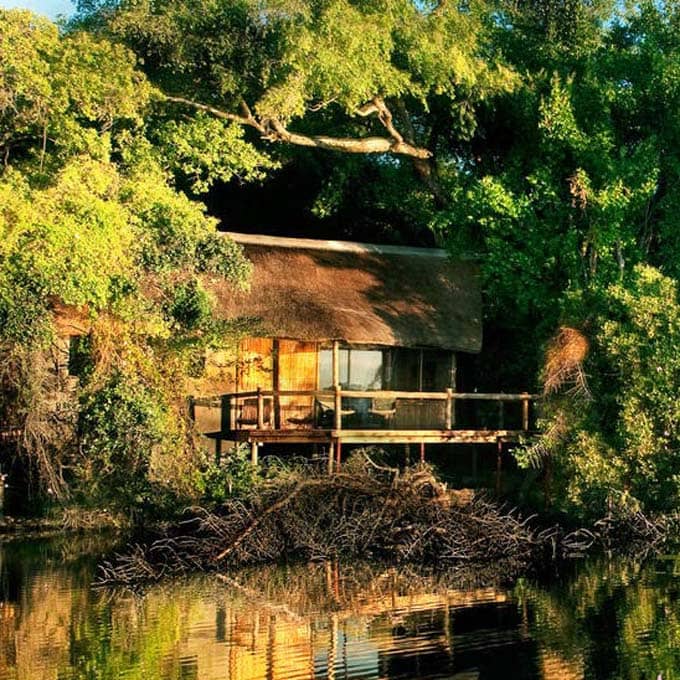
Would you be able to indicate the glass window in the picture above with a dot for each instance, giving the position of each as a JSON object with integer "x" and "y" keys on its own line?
{"x": 405, "y": 369}
{"x": 360, "y": 369}
{"x": 397, "y": 368}
{"x": 325, "y": 369}
{"x": 437, "y": 370}
{"x": 365, "y": 370}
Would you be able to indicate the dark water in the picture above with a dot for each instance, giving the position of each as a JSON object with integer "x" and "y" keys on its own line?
{"x": 593, "y": 619}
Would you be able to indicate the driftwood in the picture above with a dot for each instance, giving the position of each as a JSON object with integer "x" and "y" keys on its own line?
{"x": 365, "y": 512}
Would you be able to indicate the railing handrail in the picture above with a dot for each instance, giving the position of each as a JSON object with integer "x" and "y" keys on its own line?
{"x": 334, "y": 397}
{"x": 372, "y": 394}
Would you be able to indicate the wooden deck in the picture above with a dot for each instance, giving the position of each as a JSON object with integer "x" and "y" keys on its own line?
{"x": 317, "y": 436}
{"x": 350, "y": 417}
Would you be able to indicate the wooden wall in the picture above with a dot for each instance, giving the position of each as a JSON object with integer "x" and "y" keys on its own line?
{"x": 298, "y": 368}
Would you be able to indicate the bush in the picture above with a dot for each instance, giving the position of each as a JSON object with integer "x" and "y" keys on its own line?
{"x": 619, "y": 445}
{"x": 120, "y": 426}
{"x": 233, "y": 475}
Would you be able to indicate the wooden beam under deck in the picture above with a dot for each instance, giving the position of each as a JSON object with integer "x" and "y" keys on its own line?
{"x": 377, "y": 436}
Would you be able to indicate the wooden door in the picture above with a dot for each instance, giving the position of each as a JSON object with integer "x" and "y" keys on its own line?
{"x": 255, "y": 365}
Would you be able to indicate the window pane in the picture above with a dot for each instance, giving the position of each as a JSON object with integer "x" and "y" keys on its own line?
{"x": 406, "y": 369}
{"x": 365, "y": 370}
{"x": 326, "y": 368}
{"x": 436, "y": 370}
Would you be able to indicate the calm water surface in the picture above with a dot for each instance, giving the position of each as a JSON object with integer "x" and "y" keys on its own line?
{"x": 593, "y": 619}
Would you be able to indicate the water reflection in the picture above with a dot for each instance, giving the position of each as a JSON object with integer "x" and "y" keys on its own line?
{"x": 595, "y": 619}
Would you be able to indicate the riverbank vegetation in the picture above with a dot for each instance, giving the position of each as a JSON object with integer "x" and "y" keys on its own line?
{"x": 541, "y": 138}
{"x": 97, "y": 239}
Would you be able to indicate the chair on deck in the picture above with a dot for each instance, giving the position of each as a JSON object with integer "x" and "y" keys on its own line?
{"x": 384, "y": 409}
{"x": 304, "y": 421}
{"x": 326, "y": 412}
{"x": 248, "y": 412}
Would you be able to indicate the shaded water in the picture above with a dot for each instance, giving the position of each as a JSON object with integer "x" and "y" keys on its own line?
{"x": 595, "y": 619}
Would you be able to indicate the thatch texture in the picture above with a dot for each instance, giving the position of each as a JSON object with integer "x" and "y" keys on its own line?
{"x": 321, "y": 290}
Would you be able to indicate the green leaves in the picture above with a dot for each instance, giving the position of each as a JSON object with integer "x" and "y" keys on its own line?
{"x": 57, "y": 94}
{"x": 92, "y": 224}
{"x": 207, "y": 150}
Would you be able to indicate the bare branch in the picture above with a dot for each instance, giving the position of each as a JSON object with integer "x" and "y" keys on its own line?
{"x": 385, "y": 116}
{"x": 424, "y": 168}
{"x": 246, "y": 118}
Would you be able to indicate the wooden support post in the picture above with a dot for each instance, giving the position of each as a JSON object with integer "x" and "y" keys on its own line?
{"x": 501, "y": 415}
{"x": 260, "y": 409}
{"x": 276, "y": 382}
{"x": 191, "y": 408}
{"x": 498, "y": 467}
{"x": 227, "y": 413}
{"x": 338, "y": 455}
{"x": 525, "y": 412}
{"x": 449, "y": 408}
{"x": 407, "y": 452}
{"x": 422, "y": 452}
{"x": 331, "y": 455}
{"x": 253, "y": 453}
{"x": 338, "y": 408}
{"x": 336, "y": 363}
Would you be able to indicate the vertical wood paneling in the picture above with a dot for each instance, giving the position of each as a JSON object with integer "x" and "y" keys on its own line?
{"x": 255, "y": 365}
{"x": 298, "y": 370}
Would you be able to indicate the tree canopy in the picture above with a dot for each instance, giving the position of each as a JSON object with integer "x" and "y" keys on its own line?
{"x": 90, "y": 219}
{"x": 541, "y": 137}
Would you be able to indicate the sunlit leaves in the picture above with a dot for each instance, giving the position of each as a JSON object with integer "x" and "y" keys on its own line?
{"x": 57, "y": 95}
{"x": 207, "y": 150}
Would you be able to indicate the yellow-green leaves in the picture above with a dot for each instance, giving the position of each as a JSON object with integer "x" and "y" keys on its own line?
{"x": 58, "y": 95}
{"x": 207, "y": 150}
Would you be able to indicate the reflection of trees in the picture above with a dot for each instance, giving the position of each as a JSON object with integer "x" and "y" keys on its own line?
{"x": 605, "y": 620}
{"x": 616, "y": 619}
{"x": 273, "y": 622}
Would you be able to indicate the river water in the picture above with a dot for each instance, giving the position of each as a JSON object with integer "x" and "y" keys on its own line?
{"x": 591, "y": 618}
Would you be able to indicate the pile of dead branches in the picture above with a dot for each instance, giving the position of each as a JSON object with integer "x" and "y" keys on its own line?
{"x": 365, "y": 511}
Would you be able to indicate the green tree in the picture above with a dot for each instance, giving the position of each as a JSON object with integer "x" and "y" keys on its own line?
{"x": 90, "y": 219}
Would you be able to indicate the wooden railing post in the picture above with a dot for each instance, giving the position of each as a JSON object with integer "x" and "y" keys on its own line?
{"x": 336, "y": 362}
{"x": 501, "y": 414}
{"x": 525, "y": 411}
{"x": 338, "y": 408}
{"x": 227, "y": 413}
{"x": 260, "y": 409}
{"x": 449, "y": 408}
{"x": 331, "y": 456}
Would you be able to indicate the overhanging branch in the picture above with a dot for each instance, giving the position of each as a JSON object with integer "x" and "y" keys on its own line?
{"x": 273, "y": 130}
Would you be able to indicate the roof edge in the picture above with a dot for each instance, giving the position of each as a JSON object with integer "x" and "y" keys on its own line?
{"x": 336, "y": 246}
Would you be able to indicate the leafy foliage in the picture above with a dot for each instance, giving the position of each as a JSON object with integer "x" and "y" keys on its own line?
{"x": 542, "y": 137}
{"x": 92, "y": 226}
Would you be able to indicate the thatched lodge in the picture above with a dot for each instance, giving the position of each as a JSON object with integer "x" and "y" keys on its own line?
{"x": 355, "y": 343}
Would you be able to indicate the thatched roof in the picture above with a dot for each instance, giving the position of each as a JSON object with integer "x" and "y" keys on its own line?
{"x": 359, "y": 293}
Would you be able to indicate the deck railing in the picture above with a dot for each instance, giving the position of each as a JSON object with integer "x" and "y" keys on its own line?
{"x": 326, "y": 409}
